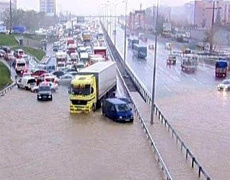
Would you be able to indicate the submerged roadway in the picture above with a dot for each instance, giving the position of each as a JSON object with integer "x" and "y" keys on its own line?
{"x": 42, "y": 140}
{"x": 191, "y": 103}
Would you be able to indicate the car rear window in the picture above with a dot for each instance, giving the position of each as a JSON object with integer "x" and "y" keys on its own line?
{"x": 44, "y": 88}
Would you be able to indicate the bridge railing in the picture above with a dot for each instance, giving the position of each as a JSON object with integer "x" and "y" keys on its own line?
{"x": 157, "y": 154}
{"x": 7, "y": 88}
{"x": 147, "y": 97}
{"x": 183, "y": 147}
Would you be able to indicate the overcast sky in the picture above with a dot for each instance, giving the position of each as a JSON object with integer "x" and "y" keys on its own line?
{"x": 87, "y": 7}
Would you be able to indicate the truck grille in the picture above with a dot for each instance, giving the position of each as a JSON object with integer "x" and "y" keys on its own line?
{"x": 79, "y": 102}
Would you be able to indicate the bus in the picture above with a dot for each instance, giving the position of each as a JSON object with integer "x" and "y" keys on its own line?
{"x": 221, "y": 68}
{"x": 140, "y": 51}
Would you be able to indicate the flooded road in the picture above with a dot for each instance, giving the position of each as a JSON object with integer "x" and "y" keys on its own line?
{"x": 42, "y": 140}
{"x": 192, "y": 104}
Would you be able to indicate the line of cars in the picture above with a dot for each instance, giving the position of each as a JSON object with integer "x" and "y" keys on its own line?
{"x": 39, "y": 81}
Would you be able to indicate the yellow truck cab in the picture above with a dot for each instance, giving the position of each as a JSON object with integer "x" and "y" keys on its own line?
{"x": 91, "y": 85}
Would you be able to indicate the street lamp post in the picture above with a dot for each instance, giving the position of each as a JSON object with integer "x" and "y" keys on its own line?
{"x": 110, "y": 22}
{"x": 154, "y": 70}
{"x": 107, "y": 15}
{"x": 126, "y": 1}
{"x": 115, "y": 23}
{"x": 10, "y": 17}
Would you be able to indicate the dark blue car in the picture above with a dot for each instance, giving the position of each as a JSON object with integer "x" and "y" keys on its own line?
{"x": 117, "y": 109}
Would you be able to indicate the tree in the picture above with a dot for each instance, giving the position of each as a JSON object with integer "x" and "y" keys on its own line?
{"x": 32, "y": 20}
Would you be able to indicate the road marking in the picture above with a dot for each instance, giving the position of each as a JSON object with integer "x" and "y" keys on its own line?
{"x": 177, "y": 71}
{"x": 146, "y": 68}
{"x": 166, "y": 87}
{"x": 194, "y": 79}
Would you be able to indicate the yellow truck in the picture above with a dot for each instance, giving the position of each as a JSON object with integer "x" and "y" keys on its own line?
{"x": 86, "y": 36}
{"x": 91, "y": 85}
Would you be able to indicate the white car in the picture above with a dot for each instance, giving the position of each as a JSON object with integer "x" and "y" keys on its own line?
{"x": 26, "y": 82}
{"x": 224, "y": 85}
{"x": 65, "y": 79}
{"x": 53, "y": 87}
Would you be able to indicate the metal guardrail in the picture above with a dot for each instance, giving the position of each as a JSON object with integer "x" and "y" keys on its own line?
{"x": 158, "y": 157}
{"x": 7, "y": 89}
{"x": 147, "y": 97}
{"x": 188, "y": 153}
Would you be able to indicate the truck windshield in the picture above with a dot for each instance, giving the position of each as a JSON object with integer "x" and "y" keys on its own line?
{"x": 81, "y": 90}
{"x": 31, "y": 81}
{"x": 21, "y": 64}
{"x": 61, "y": 65}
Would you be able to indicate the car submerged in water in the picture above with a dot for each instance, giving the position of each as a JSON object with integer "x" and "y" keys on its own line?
{"x": 44, "y": 92}
{"x": 224, "y": 85}
{"x": 117, "y": 109}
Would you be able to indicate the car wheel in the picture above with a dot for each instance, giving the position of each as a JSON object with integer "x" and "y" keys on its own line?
{"x": 51, "y": 99}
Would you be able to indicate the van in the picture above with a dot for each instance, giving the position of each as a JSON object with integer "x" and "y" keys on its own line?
{"x": 117, "y": 109}
{"x": 26, "y": 82}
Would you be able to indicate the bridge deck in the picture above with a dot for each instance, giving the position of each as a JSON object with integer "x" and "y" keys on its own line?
{"x": 170, "y": 152}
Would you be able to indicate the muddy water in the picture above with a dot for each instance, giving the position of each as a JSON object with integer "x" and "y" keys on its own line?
{"x": 204, "y": 125}
{"x": 41, "y": 140}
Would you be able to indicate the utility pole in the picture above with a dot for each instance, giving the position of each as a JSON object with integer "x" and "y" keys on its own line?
{"x": 154, "y": 69}
{"x": 213, "y": 8}
{"x": 10, "y": 17}
{"x": 126, "y": 1}
{"x": 110, "y": 22}
{"x": 115, "y": 35}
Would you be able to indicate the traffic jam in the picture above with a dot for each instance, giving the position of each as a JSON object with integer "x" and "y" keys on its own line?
{"x": 79, "y": 61}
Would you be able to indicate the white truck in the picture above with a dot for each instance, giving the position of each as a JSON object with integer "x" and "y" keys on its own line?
{"x": 61, "y": 58}
{"x": 189, "y": 63}
{"x": 91, "y": 85}
{"x": 20, "y": 65}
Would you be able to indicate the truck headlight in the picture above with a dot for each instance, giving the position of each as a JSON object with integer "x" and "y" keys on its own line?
{"x": 120, "y": 117}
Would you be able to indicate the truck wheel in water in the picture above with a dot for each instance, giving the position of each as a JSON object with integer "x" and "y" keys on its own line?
{"x": 94, "y": 107}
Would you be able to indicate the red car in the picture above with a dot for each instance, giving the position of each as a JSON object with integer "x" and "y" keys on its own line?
{"x": 9, "y": 57}
{"x": 38, "y": 73}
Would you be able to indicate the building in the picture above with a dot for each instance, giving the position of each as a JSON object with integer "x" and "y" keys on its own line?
{"x": 183, "y": 15}
{"x": 203, "y": 13}
{"x": 137, "y": 20}
{"x": 48, "y": 6}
